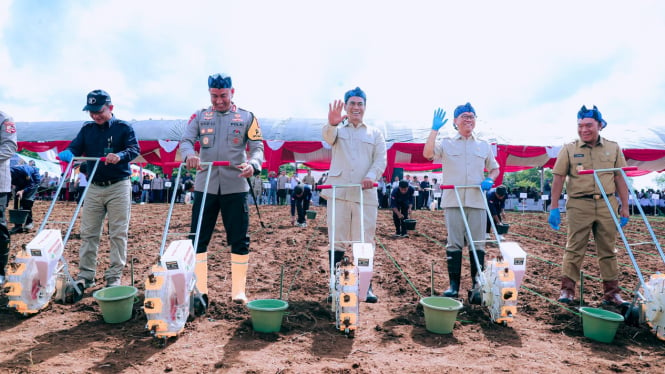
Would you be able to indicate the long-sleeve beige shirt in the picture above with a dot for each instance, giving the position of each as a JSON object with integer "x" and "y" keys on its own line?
{"x": 357, "y": 153}
{"x": 464, "y": 161}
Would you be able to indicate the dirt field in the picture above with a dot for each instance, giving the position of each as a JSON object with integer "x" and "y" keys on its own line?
{"x": 545, "y": 337}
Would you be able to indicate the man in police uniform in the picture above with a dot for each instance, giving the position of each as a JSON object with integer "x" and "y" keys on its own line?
{"x": 110, "y": 192}
{"x": 8, "y": 146}
{"x": 586, "y": 209}
{"x": 224, "y": 132}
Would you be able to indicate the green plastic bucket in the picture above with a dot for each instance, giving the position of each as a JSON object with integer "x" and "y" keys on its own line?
{"x": 440, "y": 313}
{"x": 311, "y": 214}
{"x": 116, "y": 302}
{"x": 267, "y": 314}
{"x": 599, "y": 324}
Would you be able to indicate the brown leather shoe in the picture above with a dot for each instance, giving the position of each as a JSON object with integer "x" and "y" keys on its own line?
{"x": 612, "y": 293}
{"x": 567, "y": 290}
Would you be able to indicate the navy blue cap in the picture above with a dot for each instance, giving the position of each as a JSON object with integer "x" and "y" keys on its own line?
{"x": 592, "y": 113}
{"x": 403, "y": 184}
{"x": 355, "y": 92}
{"x": 96, "y": 100}
{"x": 463, "y": 109}
{"x": 219, "y": 81}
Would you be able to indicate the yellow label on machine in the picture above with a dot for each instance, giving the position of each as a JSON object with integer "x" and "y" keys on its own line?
{"x": 348, "y": 320}
{"x": 508, "y": 311}
{"x": 13, "y": 289}
{"x": 16, "y": 268}
{"x": 509, "y": 294}
{"x": 348, "y": 300}
{"x": 153, "y": 305}
{"x": 154, "y": 283}
{"x": 21, "y": 307}
{"x": 157, "y": 325}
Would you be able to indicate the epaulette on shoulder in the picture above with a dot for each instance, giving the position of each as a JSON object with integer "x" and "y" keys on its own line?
{"x": 239, "y": 109}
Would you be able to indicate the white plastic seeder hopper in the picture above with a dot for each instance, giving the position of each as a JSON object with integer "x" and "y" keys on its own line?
{"x": 40, "y": 270}
{"x": 497, "y": 286}
{"x": 175, "y": 291}
{"x": 349, "y": 280}
{"x": 648, "y": 304}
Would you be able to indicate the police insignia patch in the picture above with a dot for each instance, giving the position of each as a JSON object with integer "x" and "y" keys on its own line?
{"x": 254, "y": 132}
{"x": 191, "y": 118}
{"x": 10, "y": 127}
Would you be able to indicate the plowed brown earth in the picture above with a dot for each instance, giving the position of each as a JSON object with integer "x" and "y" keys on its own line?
{"x": 544, "y": 338}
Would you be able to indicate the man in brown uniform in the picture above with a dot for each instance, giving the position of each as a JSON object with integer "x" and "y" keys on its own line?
{"x": 586, "y": 209}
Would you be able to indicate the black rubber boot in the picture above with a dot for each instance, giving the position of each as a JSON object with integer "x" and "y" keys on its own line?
{"x": 454, "y": 261}
{"x": 338, "y": 255}
{"x": 371, "y": 297}
{"x": 474, "y": 269}
{"x": 4, "y": 256}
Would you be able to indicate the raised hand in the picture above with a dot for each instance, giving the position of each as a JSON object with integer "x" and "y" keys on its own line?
{"x": 439, "y": 119}
{"x": 335, "y": 116}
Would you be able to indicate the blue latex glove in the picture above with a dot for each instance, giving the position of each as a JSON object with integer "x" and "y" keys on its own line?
{"x": 555, "y": 218}
{"x": 623, "y": 221}
{"x": 439, "y": 119}
{"x": 487, "y": 184}
{"x": 66, "y": 155}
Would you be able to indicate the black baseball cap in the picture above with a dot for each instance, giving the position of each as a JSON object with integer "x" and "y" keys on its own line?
{"x": 96, "y": 100}
{"x": 403, "y": 184}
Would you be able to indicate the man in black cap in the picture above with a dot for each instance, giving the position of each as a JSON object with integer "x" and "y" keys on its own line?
{"x": 496, "y": 200}
{"x": 110, "y": 192}
{"x": 401, "y": 202}
{"x": 8, "y": 145}
{"x": 25, "y": 180}
{"x": 226, "y": 133}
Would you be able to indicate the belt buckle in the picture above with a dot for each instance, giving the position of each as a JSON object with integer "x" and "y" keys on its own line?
{"x": 597, "y": 197}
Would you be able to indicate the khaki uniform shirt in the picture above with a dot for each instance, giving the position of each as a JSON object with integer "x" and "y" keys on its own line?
{"x": 8, "y": 146}
{"x": 463, "y": 162}
{"x": 224, "y": 137}
{"x": 282, "y": 180}
{"x": 357, "y": 153}
{"x": 308, "y": 179}
{"x": 576, "y": 155}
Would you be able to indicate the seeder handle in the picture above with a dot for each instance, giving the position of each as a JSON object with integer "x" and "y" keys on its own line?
{"x": 176, "y": 164}
{"x": 627, "y": 168}
{"x": 447, "y": 187}
{"x": 329, "y": 186}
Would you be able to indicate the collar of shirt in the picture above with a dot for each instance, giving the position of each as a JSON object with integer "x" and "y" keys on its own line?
{"x": 112, "y": 120}
{"x": 233, "y": 108}
{"x": 599, "y": 142}
{"x": 459, "y": 136}
{"x": 346, "y": 123}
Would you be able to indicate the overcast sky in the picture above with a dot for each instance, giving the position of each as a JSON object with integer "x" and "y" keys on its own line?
{"x": 526, "y": 66}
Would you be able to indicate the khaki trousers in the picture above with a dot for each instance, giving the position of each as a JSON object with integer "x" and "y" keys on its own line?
{"x": 587, "y": 216}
